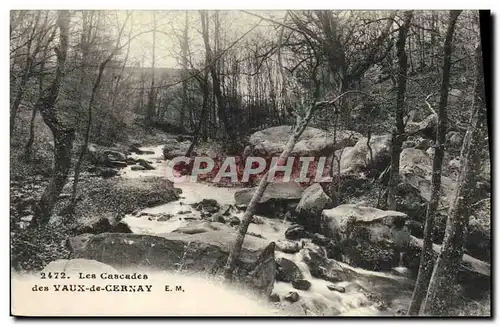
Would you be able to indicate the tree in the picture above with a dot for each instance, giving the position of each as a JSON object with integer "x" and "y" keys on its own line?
{"x": 63, "y": 135}
{"x": 426, "y": 259}
{"x": 150, "y": 110}
{"x": 216, "y": 84}
{"x": 398, "y": 133}
{"x": 93, "y": 95}
{"x": 448, "y": 262}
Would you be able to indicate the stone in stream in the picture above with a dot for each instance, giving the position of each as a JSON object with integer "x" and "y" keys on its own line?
{"x": 234, "y": 220}
{"x": 296, "y": 232}
{"x": 288, "y": 247}
{"x": 287, "y": 270}
{"x": 164, "y": 217}
{"x": 292, "y": 297}
{"x": 321, "y": 267}
{"x": 274, "y": 297}
{"x": 207, "y": 205}
{"x": 277, "y": 198}
{"x": 303, "y": 285}
{"x": 332, "y": 248}
{"x": 137, "y": 168}
{"x": 333, "y": 287}
{"x": 147, "y": 165}
{"x": 217, "y": 217}
{"x": 364, "y": 234}
{"x": 183, "y": 212}
{"x": 197, "y": 253}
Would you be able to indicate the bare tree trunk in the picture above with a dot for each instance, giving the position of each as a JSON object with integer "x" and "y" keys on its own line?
{"x": 448, "y": 263}
{"x": 398, "y": 133}
{"x": 216, "y": 84}
{"x": 150, "y": 111}
{"x": 63, "y": 136}
{"x": 426, "y": 261}
{"x": 24, "y": 79}
{"x": 184, "y": 59}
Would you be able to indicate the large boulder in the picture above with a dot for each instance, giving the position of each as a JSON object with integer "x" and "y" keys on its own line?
{"x": 103, "y": 156}
{"x": 313, "y": 142}
{"x": 365, "y": 234}
{"x": 205, "y": 252}
{"x": 287, "y": 270}
{"x": 415, "y": 168}
{"x": 277, "y": 198}
{"x": 357, "y": 158}
{"x": 314, "y": 200}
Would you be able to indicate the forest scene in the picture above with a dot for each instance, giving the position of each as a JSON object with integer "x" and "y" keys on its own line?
{"x": 388, "y": 108}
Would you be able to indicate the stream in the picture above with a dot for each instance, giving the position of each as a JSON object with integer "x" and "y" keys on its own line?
{"x": 318, "y": 300}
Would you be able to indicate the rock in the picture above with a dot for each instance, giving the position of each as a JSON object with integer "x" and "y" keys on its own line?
{"x": 337, "y": 288}
{"x": 137, "y": 168}
{"x": 332, "y": 248}
{"x": 454, "y": 140}
{"x": 121, "y": 227}
{"x": 207, "y": 205}
{"x": 274, "y": 297}
{"x": 410, "y": 202}
{"x": 183, "y": 212}
{"x": 94, "y": 226}
{"x": 417, "y": 142}
{"x": 303, "y": 285}
{"x": 356, "y": 159}
{"x": 164, "y": 217}
{"x": 288, "y": 247}
{"x": 425, "y": 128}
{"x": 415, "y": 168}
{"x": 146, "y": 164}
{"x": 234, "y": 220}
{"x": 277, "y": 198}
{"x": 205, "y": 253}
{"x": 116, "y": 164}
{"x": 313, "y": 142}
{"x": 106, "y": 157}
{"x": 322, "y": 267}
{"x": 364, "y": 233}
{"x": 296, "y": 232}
{"x": 287, "y": 270}
{"x": 455, "y": 92}
{"x": 217, "y": 217}
{"x": 314, "y": 200}
{"x": 292, "y": 297}
{"x": 134, "y": 148}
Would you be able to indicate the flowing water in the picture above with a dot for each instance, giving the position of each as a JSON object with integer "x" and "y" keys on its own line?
{"x": 318, "y": 300}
